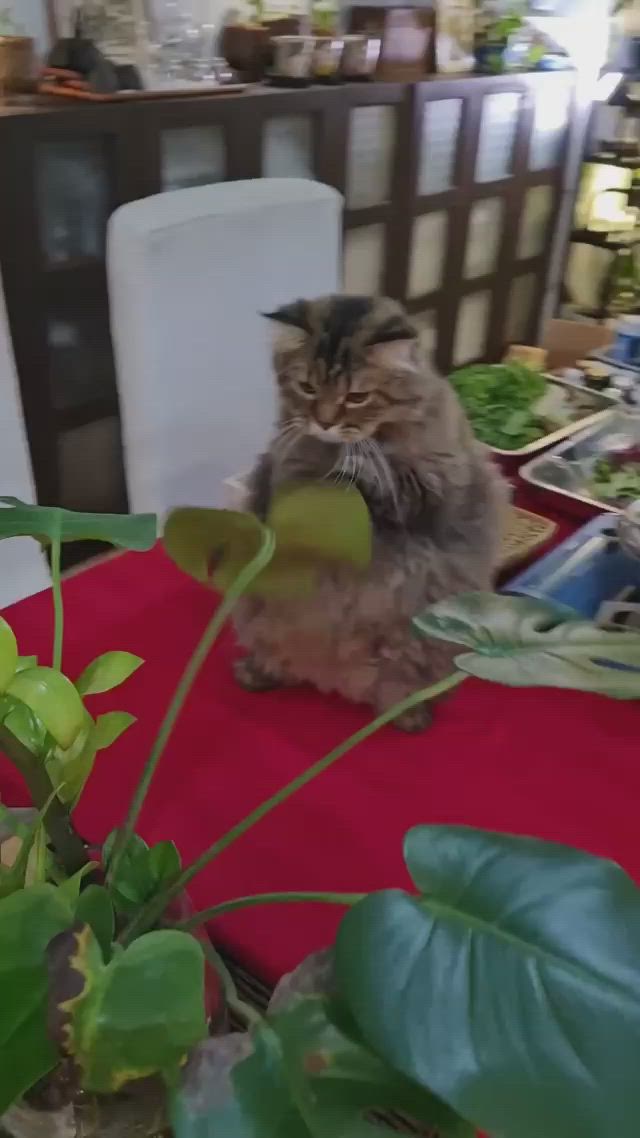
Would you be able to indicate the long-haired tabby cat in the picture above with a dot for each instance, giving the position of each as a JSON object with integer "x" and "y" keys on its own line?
{"x": 357, "y": 401}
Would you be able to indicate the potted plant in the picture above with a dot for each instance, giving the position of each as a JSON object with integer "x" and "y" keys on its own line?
{"x": 247, "y": 45}
{"x": 495, "y": 32}
{"x": 503, "y": 992}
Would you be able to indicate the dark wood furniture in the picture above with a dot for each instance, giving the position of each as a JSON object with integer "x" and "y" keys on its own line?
{"x": 452, "y": 191}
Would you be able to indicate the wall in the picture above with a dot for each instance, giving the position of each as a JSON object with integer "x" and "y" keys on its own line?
{"x": 30, "y": 15}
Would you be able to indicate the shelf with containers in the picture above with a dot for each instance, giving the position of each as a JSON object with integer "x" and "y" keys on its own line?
{"x": 452, "y": 189}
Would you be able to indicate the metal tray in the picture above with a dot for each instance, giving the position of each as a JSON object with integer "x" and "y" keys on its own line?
{"x": 601, "y": 404}
{"x": 551, "y": 475}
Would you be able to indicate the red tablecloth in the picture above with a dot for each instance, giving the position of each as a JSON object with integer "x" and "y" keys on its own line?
{"x": 555, "y": 764}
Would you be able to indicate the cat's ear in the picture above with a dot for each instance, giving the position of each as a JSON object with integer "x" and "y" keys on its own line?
{"x": 400, "y": 354}
{"x": 294, "y": 315}
{"x": 291, "y": 326}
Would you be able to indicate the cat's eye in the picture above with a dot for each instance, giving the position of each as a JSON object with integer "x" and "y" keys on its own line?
{"x": 306, "y": 388}
{"x": 357, "y": 398}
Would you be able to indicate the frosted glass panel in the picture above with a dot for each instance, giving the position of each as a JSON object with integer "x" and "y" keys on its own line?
{"x": 428, "y": 245}
{"x": 440, "y": 129}
{"x": 534, "y": 221}
{"x": 522, "y": 297}
{"x": 91, "y": 472}
{"x": 483, "y": 237}
{"x": 551, "y": 117}
{"x": 497, "y": 136}
{"x": 72, "y": 189}
{"x": 287, "y": 148}
{"x": 370, "y": 155}
{"x": 364, "y": 260}
{"x": 193, "y": 156}
{"x": 472, "y": 327}
{"x": 80, "y": 360}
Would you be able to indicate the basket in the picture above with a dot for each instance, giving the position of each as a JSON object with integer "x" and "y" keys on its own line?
{"x": 526, "y": 533}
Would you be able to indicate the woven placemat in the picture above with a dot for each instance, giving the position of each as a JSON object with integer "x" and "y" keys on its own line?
{"x": 526, "y": 532}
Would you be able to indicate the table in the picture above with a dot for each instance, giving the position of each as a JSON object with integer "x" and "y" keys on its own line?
{"x": 559, "y": 765}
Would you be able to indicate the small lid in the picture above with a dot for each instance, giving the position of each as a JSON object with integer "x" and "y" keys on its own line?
{"x": 595, "y": 370}
{"x": 629, "y": 321}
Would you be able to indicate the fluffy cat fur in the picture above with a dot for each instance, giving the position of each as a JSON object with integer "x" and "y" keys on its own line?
{"x": 358, "y": 402}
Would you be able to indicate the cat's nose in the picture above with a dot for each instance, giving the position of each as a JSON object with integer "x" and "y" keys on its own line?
{"x": 324, "y": 416}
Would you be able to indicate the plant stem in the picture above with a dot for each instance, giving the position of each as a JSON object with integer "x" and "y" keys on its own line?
{"x": 156, "y": 906}
{"x": 198, "y": 657}
{"x": 207, "y": 915}
{"x": 243, "y": 1011}
{"x": 58, "y": 608}
{"x": 57, "y": 821}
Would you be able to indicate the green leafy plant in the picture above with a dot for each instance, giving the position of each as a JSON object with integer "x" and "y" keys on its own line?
{"x": 504, "y": 991}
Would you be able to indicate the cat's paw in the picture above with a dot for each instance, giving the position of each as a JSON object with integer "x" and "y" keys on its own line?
{"x": 252, "y": 677}
{"x": 415, "y": 720}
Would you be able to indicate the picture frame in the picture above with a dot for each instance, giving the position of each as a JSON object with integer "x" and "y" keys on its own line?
{"x": 115, "y": 26}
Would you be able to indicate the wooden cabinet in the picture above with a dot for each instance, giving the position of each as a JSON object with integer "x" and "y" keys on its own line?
{"x": 451, "y": 188}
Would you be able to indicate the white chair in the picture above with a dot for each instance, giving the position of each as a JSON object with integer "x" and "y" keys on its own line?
{"x": 23, "y": 568}
{"x": 189, "y": 274}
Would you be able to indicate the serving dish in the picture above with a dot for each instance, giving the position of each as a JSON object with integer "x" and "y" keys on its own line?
{"x": 593, "y": 404}
{"x": 562, "y": 475}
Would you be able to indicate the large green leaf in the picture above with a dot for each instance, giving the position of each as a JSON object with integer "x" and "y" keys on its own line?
{"x": 235, "y": 1088}
{"x": 107, "y": 672}
{"x": 8, "y": 654}
{"x": 70, "y": 767}
{"x": 27, "y": 728}
{"x": 51, "y": 523}
{"x": 306, "y": 1076}
{"x": 53, "y": 700}
{"x": 312, "y": 524}
{"x": 510, "y": 988}
{"x": 28, "y": 921}
{"x": 138, "y": 1015}
{"x": 326, "y": 523}
{"x": 95, "y": 908}
{"x": 198, "y": 539}
{"x": 523, "y": 642}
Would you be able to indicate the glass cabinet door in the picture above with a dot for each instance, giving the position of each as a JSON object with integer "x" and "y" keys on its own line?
{"x": 73, "y": 198}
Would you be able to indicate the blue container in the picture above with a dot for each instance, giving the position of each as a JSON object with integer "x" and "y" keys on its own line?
{"x": 583, "y": 572}
{"x": 626, "y": 346}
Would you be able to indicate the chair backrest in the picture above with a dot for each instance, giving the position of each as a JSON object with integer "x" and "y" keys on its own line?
{"x": 23, "y": 569}
{"x": 189, "y": 274}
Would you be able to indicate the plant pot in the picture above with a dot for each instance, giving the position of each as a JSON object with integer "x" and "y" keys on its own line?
{"x": 17, "y": 63}
{"x": 490, "y": 58}
{"x": 136, "y": 1112}
{"x": 247, "y": 47}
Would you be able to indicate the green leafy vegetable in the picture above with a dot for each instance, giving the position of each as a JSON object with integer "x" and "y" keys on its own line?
{"x": 615, "y": 483}
{"x": 498, "y": 399}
